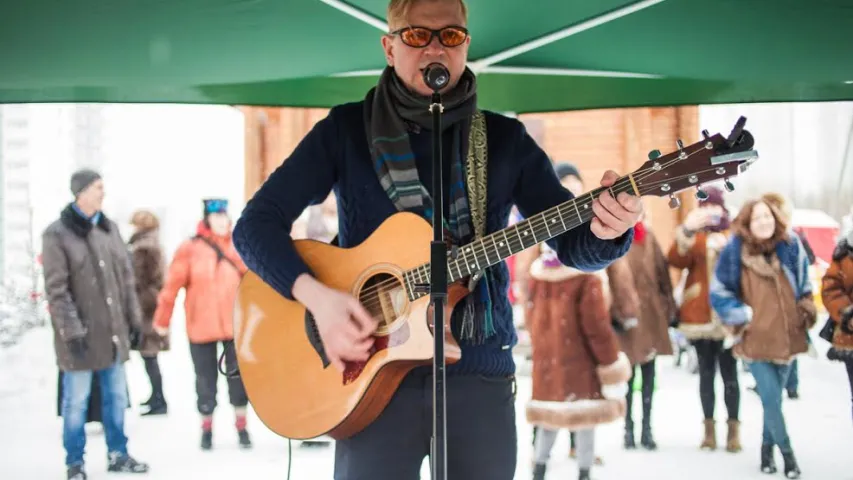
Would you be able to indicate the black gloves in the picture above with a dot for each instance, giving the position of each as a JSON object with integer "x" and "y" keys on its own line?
{"x": 77, "y": 347}
{"x": 135, "y": 339}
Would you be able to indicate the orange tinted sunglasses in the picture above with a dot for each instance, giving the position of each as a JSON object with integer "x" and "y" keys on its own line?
{"x": 420, "y": 37}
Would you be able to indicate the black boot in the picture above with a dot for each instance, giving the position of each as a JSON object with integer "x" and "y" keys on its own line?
{"x": 584, "y": 474}
{"x": 76, "y": 472}
{"x": 768, "y": 465}
{"x": 539, "y": 471}
{"x": 126, "y": 464}
{"x": 206, "y": 439}
{"x": 629, "y": 435}
{"x": 156, "y": 406}
{"x": 646, "y": 439}
{"x": 792, "y": 470}
{"x": 245, "y": 441}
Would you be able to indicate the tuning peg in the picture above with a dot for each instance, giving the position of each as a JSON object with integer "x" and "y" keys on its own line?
{"x": 674, "y": 202}
{"x": 701, "y": 195}
{"x": 705, "y": 134}
{"x": 654, "y": 154}
{"x": 730, "y": 187}
{"x": 681, "y": 153}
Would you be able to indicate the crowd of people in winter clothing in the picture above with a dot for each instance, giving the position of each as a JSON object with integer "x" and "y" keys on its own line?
{"x": 747, "y": 297}
{"x": 107, "y": 298}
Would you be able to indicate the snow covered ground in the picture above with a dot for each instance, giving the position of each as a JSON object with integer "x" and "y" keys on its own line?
{"x": 31, "y": 445}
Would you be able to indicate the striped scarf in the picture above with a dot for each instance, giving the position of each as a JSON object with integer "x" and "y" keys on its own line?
{"x": 391, "y": 110}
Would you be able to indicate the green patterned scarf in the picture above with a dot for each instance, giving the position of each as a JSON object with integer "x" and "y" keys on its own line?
{"x": 390, "y": 109}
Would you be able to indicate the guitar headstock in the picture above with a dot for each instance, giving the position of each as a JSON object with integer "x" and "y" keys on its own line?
{"x": 711, "y": 159}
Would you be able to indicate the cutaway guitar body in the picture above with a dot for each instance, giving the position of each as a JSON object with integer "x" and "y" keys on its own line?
{"x": 289, "y": 387}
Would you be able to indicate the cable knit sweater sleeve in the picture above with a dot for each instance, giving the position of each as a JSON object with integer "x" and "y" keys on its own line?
{"x": 539, "y": 189}
{"x": 262, "y": 233}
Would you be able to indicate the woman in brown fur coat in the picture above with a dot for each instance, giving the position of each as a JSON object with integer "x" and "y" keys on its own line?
{"x": 148, "y": 266}
{"x": 698, "y": 242}
{"x": 645, "y": 270}
{"x": 579, "y": 374}
{"x": 837, "y": 294}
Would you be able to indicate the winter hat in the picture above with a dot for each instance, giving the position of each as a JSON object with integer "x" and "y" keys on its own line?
{"x": 215, "y": 205}
{"x": 81, "y": 179}
{"x": 715, "y": 197}
{"x": 565, "y": 169}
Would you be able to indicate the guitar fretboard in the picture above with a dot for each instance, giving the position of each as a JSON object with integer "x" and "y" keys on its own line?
{"x": 496, "y": 247}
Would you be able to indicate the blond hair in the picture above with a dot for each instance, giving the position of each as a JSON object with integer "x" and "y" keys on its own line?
{"x": 398, "y": 11}
{"x": 144, "y": 220}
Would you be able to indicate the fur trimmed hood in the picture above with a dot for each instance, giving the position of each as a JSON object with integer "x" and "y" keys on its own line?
{"x": 578, "y": 414}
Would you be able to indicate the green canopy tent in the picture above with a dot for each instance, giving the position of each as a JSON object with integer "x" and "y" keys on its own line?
{"x": 530, "y": 56}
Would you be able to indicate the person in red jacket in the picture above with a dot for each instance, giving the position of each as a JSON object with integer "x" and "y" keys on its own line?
{"x": 208, "y": 267}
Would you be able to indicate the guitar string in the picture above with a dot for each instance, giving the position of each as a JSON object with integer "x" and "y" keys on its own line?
{"x": 536, "y": 225}
{"x": 375, "y": 300}
{"x": 536, "y": 222}
{"x": 539, "y": 221}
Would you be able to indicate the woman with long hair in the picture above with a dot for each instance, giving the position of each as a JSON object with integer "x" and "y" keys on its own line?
{"x": 761, "y": 290}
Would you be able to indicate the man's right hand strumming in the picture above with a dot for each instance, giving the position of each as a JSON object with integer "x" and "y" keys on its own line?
{"x": 344, "y": 325}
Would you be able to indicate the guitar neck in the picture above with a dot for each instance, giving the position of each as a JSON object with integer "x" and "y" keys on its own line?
{"x": 496, "y": 247}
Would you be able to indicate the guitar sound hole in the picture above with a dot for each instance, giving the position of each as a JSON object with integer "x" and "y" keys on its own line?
{"x": 384, "y": 298}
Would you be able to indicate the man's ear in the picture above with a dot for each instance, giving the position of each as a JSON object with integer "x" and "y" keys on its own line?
{"x": 388, "y": 46}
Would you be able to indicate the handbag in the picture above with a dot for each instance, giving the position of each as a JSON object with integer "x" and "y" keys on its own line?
{"x": 828, "y": 330}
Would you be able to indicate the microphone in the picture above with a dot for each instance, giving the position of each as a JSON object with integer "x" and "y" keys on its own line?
{"x": 436, "y": 76}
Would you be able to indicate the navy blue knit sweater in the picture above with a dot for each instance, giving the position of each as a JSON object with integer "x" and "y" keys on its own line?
{"x": 335, "y": 155}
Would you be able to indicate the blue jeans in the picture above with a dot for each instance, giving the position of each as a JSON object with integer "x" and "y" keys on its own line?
{"x": 76, "y": 388}
{"x": 793, "y": 382}
{"x": 770, "y": 380}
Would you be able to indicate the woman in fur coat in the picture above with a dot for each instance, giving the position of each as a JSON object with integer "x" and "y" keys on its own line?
{"x": 149, "y": 268}
{"x": 645, "y": 271}
{"x": 837, "y": 294}
{"x": 761, "y": 289}
{"x": 698, "y": 242}
{"x": 579, "y": 374}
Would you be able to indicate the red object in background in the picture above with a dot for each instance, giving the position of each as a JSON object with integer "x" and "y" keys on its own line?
{"x": 820, "y": 229}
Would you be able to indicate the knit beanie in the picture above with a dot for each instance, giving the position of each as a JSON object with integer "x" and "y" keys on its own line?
{"x": 564, "y": 170}
{"x": 81, "y": 179}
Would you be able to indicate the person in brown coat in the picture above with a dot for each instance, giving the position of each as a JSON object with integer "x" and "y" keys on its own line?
{"x": 579, "y": 373}
{"x": 148, "y": 266}
{"x": 761, "y": 290}
{"x": 837, "y": 295}
{"x": 91, "y": 294}
{"x": 644, "y": 269}
{"x": 698, "y": 242}
{"x": 578, "y": 369}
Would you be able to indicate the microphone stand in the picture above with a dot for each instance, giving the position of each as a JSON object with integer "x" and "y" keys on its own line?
{"x": 438, "y": 297}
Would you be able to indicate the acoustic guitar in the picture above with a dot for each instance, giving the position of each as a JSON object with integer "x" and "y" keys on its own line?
{"x": 299, "y": 395}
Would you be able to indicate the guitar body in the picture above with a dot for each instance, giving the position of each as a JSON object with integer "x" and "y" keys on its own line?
{"x": 289, "y": 387}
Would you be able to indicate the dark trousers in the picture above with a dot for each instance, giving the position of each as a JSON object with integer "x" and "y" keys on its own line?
{"x": 647, "y": 370}
{"x": 711, "y": 353}
{"x": 481, "y": 435}
{"x": 152, "y": 368}
{"x": 206, "y": 363}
